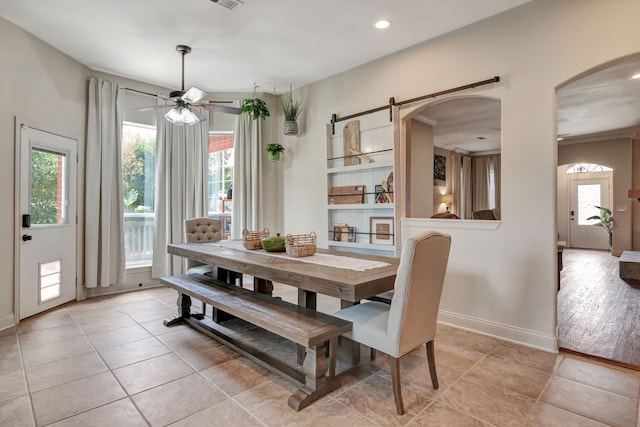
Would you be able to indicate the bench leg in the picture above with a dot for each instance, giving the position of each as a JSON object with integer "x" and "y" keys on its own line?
{"x": 306, "y": 299}
{"x": 184, "y": 311}
{"x": 317, "y": 383}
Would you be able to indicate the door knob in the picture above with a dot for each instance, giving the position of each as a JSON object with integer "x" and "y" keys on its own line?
{"x": 26, "y": 237}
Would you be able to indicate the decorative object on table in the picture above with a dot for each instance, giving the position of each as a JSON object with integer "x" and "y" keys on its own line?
{"x": 274, "y": 150}
{"x": 381, "y": 230}
{"x": 439, "y": 170}
{"x": 291, "y": 111}
{"x": 252, "y": 240}
{"x": 273, "y": 243}
{"x": 337, "y": 231}
{"x": 256, "y": 108}
{"x": 605, "y": 219}
{"x": 447, "y": 199}
{"x": 299, "y": 245}
{"x": 351, "y": 142}
{"x": 346, "y": 195}
{"x": 382, "y": 195}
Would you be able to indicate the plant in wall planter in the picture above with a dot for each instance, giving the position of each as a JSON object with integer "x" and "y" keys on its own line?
{"x": 291, "y": 110}
{"x": 605, "y": 220}
{"x": 256, "y": 108}
{"x": 274, "y": 151}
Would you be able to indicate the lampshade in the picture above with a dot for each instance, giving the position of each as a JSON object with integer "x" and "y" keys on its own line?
{"x": 446, "y": 198}
{"x": 181, "y": 115}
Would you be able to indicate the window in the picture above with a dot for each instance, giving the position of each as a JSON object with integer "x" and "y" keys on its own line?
{"x": 220, "y": 172}
{"x": 138, "y": 177}
{"x": 587, "y": 167}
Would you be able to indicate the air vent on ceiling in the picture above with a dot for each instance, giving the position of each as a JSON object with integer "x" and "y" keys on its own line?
{"x": 229, "y": 4}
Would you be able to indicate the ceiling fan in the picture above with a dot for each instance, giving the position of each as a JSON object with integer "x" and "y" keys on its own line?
{"x": 185, "y": 106}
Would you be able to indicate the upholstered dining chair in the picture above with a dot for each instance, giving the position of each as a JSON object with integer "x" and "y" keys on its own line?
{"x": 410, "y": 320}
{"x": 201, "y": 230}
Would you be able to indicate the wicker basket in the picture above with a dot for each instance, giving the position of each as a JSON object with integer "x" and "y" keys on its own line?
{"x": 253, "y": 239}
{"x": 299, "y": 245}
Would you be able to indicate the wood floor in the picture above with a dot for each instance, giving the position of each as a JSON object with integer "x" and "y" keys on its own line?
{"x": 598, "y": 313}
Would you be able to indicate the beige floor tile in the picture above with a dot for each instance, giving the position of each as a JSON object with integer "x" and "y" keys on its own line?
{"x": 487, "y": 402}
{"x": 183, "y": 338}
{"x": 8, "y": 341}
{"x": 438, "y": 414}
{"x": 93, "y": 325}
{"x": 473, "y": 341}
{"x": 600, "y": 405}
{"x": 66, "y": 400}
{"x": 456, "y": 357}
{"x": 510, "y": 375}
{"x": 132, "y": 352}
{"x": 47, "y": 320}
{"x": 63, "y": 371}
{"x": 334, "y": 413}
{"x": 526, "y": 356}
{"x": 178, "y": 399}
{"x": 36, "y": 338}
{"x": 156, "y": 327}
{"x": 50, "y": 352}
{"x": 373, "y": 399}
{"x": 118, "y": 336}
{"x": 236, "y": 375}
{"x": 599, "y": 376}
{"x": 16, "y": 412}
{"x": 156, "y": 313}
{"x": 206, "y": 355}
{"x": 147, "y": 303}
{"x": 12, "y": 385}
{"x": 224, "y": 414}
{"x": 121, "y": 413}
{"x": 89, "y": 304}
{"x": 550, "y": 416}
{"x": 150, "y": 373}
{"x": 10, "y": 361}
{"x": 103, "y": 310}
{"x": 8, "y": 332}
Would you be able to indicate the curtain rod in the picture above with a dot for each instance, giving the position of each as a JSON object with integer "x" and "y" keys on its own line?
{"x": 392, "y": 102}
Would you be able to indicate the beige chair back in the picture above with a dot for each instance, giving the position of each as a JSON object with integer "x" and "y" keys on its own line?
{"x": 201, "y": 230}
{"x": 417, "y": 291}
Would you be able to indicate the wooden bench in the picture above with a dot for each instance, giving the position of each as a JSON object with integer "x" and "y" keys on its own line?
{"x": 630, "y": 266}
{"x": 303, "y": 326}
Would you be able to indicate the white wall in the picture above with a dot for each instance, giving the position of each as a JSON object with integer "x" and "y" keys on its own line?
{"x": 499, "y": 281}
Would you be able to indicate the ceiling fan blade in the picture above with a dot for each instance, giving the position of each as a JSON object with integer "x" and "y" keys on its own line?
{"x": 151, "y": 107}
{"x": 194, "y": 95}
{"x": 222, "y": 108}
{"x": 200, "y": 115}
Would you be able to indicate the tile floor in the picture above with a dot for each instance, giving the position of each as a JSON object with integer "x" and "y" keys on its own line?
{"x": 109, "y": 361}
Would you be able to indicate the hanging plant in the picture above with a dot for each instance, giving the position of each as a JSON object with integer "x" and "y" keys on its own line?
{"x": 256, "y": 108}
{"x": 291, "y": 111}
{"x": 274, "y": 150}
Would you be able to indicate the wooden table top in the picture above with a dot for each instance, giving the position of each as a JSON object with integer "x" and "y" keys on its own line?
{"x": 346, "y": 284}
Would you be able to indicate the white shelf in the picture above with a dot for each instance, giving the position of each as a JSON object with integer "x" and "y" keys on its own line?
{"x": 336, "y": 244}
{"x": 362, "y": 166}
{"x": 361, "y": 206}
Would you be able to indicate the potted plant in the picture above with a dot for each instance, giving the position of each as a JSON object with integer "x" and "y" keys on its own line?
{"x": 274, "y": 150}
{"x": 291, "y": 110}
{"x": 605, "y": 220}
{"x": 256, "y": 108}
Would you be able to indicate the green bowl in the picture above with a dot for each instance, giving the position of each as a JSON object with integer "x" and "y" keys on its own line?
{"x": 273, "y": 243}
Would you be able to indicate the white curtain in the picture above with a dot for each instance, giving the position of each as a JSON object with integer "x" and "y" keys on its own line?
{"x": 104, "y": 231}
{"x": 497, "y": 178}
{"x": 247, "y": 176}
{"x": 181, "y": 188}
{"x": 456, "y": 184}
{"x": 467, "y": 192}
{"x": 481, "y": 172}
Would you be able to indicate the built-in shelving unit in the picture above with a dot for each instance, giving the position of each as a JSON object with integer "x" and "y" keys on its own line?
{"x": 376, "y": 144}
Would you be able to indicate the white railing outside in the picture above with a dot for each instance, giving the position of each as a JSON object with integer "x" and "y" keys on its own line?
{"x": 138, "y": 238}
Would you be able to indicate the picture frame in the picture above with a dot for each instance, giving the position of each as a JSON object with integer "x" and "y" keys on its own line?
{"x": 381, "y": 230}
{"x": 381, "y": 195}
{"x": 439, "y": 170}
{"x": 337, "y": 232}
{"x": 351, "y": 234}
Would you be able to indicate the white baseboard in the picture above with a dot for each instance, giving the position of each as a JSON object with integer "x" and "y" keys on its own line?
{"x": 498, "y": 330}
{"x": 7, "y": 322}
{"x": 119, "y": 288}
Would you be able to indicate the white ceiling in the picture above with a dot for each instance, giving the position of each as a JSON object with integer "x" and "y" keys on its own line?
{"x": 283, "y": 43}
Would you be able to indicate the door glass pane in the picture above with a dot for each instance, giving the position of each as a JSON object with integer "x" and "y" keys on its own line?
{"x": 588, "y": 199}
{"x": 48, "y": 187}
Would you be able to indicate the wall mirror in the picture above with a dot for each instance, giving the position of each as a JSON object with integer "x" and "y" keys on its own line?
{"x": 450, "y": 159}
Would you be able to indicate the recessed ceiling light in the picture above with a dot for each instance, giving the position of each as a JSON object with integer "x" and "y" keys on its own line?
{"x": 636, "y": 76}
{"x": 382, "y": 24}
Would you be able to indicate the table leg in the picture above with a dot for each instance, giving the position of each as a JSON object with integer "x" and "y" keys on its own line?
{"x": 306, "y": 299}
{"x": 317, "y": 383}
{"x": 226, "y": 276}
{"x": 350, "y": 348}
{"x": 263, "y": 286}
{"x": 184, "y": 311}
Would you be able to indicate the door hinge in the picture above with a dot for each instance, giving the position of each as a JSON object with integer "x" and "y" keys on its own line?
{"x": 76, "y": 219}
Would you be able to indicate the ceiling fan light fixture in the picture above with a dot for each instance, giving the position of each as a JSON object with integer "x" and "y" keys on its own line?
{"x": 180, "y": 116}
{"x": 229, "y": 4}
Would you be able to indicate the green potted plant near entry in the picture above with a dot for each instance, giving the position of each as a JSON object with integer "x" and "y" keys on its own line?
{"x": 605, "y": 220}
{"x": 256, "y": 108}
{"x": 291, "y": 111}
{"x": 274, "y": 150}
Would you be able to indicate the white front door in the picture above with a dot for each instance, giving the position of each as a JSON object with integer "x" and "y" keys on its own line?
{"x": 47, "y": 221}
{"x": 585, "y": 195}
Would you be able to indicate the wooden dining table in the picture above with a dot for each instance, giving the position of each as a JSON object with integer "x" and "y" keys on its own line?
{"x": 339, "y": 274}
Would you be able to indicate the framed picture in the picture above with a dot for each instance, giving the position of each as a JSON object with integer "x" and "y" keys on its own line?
{"x": 381, "y": 195}
{"x": 351, "y": 234}
{"x": 439, "y": 170}
{"x": 226, "y": 205}
{"x": 381, "y": 230}
{"x": 337, "y": 232}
